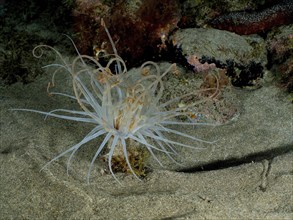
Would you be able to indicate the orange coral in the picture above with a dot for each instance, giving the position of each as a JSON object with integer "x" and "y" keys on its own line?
{"x": 215, "y": 79}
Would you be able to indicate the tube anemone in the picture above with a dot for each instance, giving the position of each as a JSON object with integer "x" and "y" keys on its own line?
{"x": 120, "y": 108}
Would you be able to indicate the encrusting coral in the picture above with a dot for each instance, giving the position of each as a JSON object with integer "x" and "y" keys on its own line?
{"x": 123, "y": 111}
{"x": 213, "y": 77}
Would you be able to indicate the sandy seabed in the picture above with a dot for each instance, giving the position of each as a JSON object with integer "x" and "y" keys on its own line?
{"x": 257, "y": 188}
